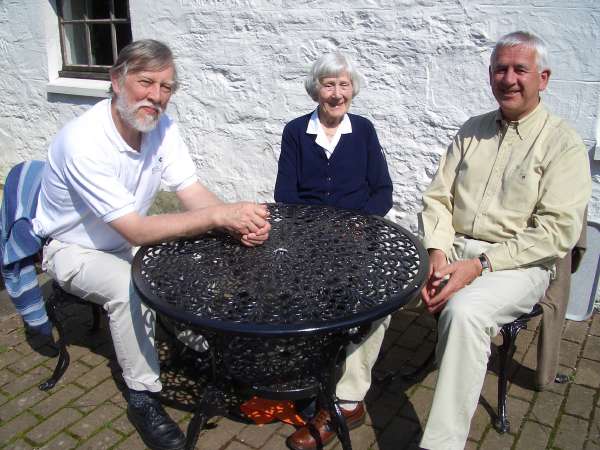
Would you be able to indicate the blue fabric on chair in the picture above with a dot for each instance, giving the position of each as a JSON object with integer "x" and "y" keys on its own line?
{"x": 19, "y": 244}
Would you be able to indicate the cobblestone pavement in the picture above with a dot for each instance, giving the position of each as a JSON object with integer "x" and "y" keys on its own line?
{"x": 87, "y": 409}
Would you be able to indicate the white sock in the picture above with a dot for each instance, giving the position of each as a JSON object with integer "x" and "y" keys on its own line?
{"x": 348, "y": 405}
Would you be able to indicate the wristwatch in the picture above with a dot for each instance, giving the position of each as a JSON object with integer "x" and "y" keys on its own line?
{"x": 485, "y": 264}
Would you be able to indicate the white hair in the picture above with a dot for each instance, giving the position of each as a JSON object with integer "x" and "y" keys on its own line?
{"x": 526, "y": 39}
{"x": 332, "y": 65}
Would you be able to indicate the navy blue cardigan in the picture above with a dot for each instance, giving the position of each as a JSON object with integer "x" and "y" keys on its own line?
{"x": 355, "y": 177}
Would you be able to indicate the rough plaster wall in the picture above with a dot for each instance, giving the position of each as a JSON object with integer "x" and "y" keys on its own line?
{"x": 242, "y": 65}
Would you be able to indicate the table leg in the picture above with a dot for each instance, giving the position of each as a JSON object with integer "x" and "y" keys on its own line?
{"x": 328, "y": 396}
{"x": 212, "y": 404}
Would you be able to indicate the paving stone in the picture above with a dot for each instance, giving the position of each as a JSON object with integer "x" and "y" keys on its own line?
{"x": 122, "y": 425}
{"x": 361, "y": 437}
{"x": 96, "y": 419}
{"x": 21, "y": 403}
{"x": 133, "y": 442}
{"x": 28, "y": 362}
{"x": 595, "y": 325}
{"x": 479, "y": 423}
{"x": 413, "y": 337}
{"x": 58, "y": 422}
{"x": 24, "y": 382}
{"x": 592, "y": 348}
{"x": 17, "y": 426}
{"x": 580, "y": 401}
{"x": 588, "y": 373}
{"x": 104, "y": 439}
{"x": 275, "y": 442}
{"x": 57, "y": 400}
{"x": 533, "y": 436}
{"x": 20, "y": 444}
{"x": 495, "y": 441}
{"x": 257, "y": 435}
{"x": 95, "y": 376}
{"x": 546, "y": 408}
{"x": 6, "y": 376}
{"x": 571, "y": 432}
{"x": 594, "y": 432}
{"x": 569, "y": 353}
{"x": 219, "y": 436}
{"x": 517, "y": 411}
{"x": 235, "y": 445}
{"x": 575, "y": 331}
{"x": 9, "y": 357}
{"x": 418, "y": 405}
{"x": 75, "y": 371}
{"x": 398, "y": 434}
{"x": 380, "y": 412}
{"x": 100, "y": 394}
{"x": 62, "y": 441}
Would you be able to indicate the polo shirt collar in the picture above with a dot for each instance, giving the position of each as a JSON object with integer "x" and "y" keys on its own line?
{"x": 523, "y": 126}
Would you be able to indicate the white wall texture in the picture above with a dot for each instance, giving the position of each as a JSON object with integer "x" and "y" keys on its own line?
{"x": 242, "y": 64}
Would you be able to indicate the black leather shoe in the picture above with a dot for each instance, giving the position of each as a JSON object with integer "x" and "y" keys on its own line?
{"x": 155, "y": 427}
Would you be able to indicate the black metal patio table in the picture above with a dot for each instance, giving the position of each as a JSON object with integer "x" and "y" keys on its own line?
{"x": 278, "y": 316}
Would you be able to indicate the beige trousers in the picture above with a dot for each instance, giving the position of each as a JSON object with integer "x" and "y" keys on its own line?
{"x": 466, "y": 325}
{"x": 360, "y": 359}
{"x": 105, "y": 278}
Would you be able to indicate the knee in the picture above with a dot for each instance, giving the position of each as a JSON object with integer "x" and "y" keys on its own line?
{"x": 462, "y": 315}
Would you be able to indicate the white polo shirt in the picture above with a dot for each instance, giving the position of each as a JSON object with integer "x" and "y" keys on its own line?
{"x": 93, "y": 177}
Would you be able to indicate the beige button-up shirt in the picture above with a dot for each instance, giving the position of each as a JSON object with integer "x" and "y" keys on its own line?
{"x": 521, "y": 185}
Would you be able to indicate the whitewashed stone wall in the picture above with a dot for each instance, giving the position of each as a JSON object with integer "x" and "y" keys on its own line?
{"x": 242, "y": 64}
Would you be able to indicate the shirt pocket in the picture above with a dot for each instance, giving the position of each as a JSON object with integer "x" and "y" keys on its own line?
{"x": 520, "y": 191}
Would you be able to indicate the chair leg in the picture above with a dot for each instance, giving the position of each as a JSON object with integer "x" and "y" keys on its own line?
{"x": 63, "y": 355}
{"x": 506, "y": 351}
{"x": 97, "y": 312}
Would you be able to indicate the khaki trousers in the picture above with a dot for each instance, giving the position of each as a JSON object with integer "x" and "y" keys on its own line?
{"x": 105, "y": 278}
{"x": 360, "y": 359}
{"x": 466, "y": 325}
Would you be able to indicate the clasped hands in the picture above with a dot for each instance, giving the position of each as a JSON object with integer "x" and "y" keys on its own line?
{"x": 444, "y": 280}
{"x": 248, "y": 222}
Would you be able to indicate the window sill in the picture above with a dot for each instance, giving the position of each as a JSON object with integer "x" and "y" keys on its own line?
{"x": 81, "y": 87}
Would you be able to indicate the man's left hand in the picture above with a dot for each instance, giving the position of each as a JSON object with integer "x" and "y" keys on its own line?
{"x": 460, "y": 273}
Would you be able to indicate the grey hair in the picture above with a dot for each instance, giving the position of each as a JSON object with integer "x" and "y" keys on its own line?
{"x": 145, "y": 54}
{"x": 332, "y": 65}
{"x": 526, "y": 39}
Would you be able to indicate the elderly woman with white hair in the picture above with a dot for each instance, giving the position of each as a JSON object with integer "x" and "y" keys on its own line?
{"x": 331, "y": 157}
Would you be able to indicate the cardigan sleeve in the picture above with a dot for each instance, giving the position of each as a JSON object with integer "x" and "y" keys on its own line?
{"x": 286, "y": 185}
{"x": 378, "y": 177}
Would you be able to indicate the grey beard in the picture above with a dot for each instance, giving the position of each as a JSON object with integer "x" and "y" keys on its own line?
{"x": 128, "y": 115}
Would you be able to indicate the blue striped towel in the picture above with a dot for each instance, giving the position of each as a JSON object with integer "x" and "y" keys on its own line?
{"x": 19, "y": 244}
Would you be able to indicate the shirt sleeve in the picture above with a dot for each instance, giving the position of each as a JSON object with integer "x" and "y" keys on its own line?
{"x": 286, "y": 184}
{"x": 438, "y": 201}
{"x": 93, "y": 180}
{"x": 555, "y": 226}
{"x": 378, "y": 176}
{"x": 179, "y": 170}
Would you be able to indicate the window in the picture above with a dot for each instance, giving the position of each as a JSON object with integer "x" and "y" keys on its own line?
{"x": 92, "y": 32}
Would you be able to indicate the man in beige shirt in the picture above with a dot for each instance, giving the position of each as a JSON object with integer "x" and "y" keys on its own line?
{"x": 506, "y": 202}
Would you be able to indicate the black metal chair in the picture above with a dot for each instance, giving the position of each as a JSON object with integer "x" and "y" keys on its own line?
{"x": 55, "y": 300}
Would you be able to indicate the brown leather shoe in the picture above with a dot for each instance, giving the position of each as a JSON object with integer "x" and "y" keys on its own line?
{"x": 304, "y": 438}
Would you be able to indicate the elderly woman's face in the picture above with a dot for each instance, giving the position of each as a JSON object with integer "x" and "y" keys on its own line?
{"x": 335, "y": 96}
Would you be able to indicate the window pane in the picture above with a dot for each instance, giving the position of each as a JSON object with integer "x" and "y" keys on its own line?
{"x": 75, "y": 52}
{"x": 98, "y": 9}
{"x": 73, "y": 9}
{"x": 121, "y": 9}
{"x": 123, "y": 35}
{"x": 101, "y": 45}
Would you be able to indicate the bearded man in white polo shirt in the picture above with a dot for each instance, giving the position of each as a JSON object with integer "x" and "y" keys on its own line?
{"x": 103, "y": 171}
